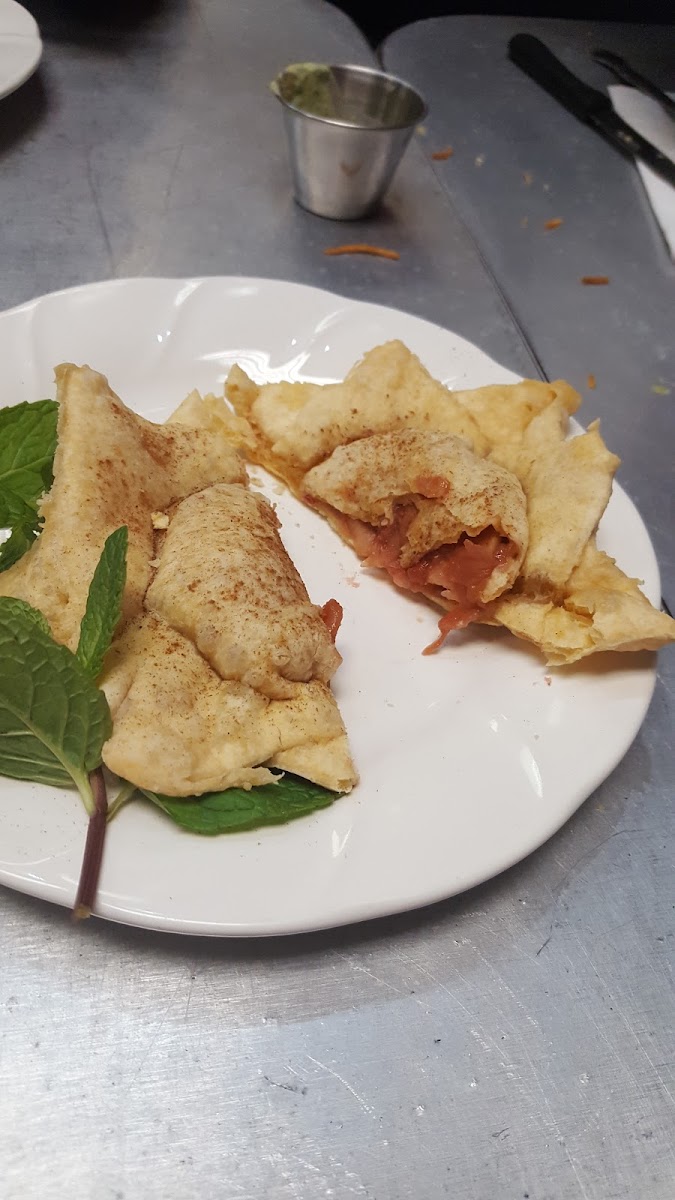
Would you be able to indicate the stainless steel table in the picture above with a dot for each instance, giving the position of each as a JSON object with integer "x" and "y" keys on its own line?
{"x": 521, "y": 159}
{"x": 516, "y": 1042}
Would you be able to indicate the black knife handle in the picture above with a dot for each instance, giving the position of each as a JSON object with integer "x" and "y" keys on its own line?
{"x": 536, "y": 60}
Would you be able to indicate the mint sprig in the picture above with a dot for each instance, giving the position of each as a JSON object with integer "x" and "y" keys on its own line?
{"x": 54, "y": 721}
{"x": 104, "y": 603}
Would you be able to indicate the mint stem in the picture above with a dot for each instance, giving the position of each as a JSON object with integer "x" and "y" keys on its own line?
{"x": 125, "y": 793}
{"x": 93, "y": 849}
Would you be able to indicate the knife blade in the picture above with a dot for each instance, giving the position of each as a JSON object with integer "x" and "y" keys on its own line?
{"x": 627, "y": 74}
{"x": 585, "y": 102}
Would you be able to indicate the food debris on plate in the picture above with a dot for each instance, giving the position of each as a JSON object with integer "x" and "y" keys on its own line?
{"x": 595, "y": 280}
{"x": 442, "y": 155}
{"x": 553, "y": 223}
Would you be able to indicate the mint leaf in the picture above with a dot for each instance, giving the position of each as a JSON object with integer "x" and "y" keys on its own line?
{"x": 235, "y": 810}
{"x": 53, "y": 720}
{"x": 104, "y": 603}
{"x": 27, "y": 445}
{"x": 10, "y": 605}
{"x": 25, "y": 528}
{"x": 14, "y": 509}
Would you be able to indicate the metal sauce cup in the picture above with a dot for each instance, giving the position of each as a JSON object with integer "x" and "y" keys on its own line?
{"x": 342, "y": 163}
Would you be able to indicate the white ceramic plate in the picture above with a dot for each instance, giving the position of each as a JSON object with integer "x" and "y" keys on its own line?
{"x": 20, "y": 46}
{"x": 469, "y": 759}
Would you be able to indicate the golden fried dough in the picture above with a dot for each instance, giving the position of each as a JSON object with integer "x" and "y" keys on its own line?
{"x": 181, "y": 730}
{"x": 111, "y": 468}
{"x": 335, "y": 445}
{"x": 293, "y": 426}
{"x": 602, "y": 609}
{"x": 225, "y": 673}
{"x": 567, "y": 487}
{"x": 504, "y": 411}
{"x": 225, "y": 581}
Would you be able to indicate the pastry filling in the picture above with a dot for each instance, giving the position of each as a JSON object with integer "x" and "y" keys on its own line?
{"x": 457, "y": 572}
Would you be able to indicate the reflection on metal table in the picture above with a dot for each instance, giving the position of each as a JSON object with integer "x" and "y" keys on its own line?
{"x": 515, "y": 1042}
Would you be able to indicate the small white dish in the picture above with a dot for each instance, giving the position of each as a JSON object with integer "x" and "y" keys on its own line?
{"x": 20, "y": 46}
{"x": 469, "y": 759}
